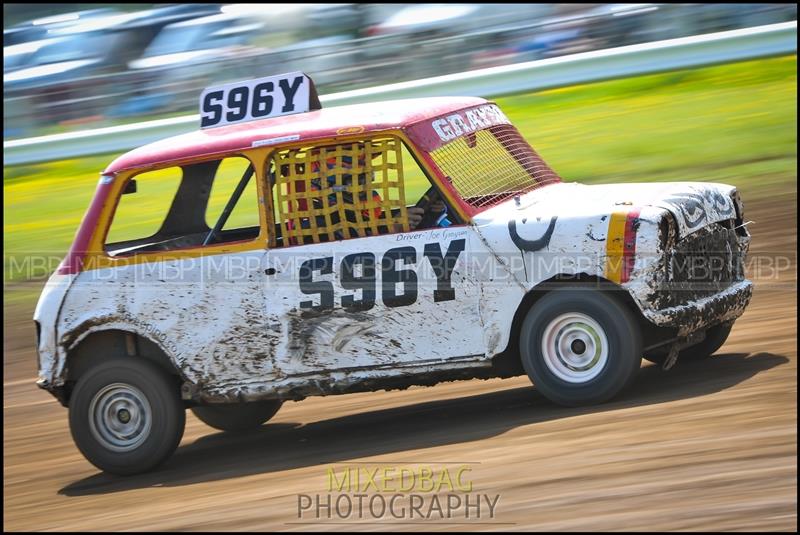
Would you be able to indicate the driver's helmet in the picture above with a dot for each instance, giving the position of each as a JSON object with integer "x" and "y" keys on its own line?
{"x": 345, "y": 186}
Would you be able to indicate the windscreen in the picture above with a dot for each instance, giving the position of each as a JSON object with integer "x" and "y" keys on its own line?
{"x": 483, "y": 156}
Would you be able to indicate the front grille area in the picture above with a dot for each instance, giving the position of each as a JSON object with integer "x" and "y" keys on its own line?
{"x": 702, "y": 264}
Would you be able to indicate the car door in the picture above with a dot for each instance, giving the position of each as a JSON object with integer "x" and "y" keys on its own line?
{"x": 403, "y": 299}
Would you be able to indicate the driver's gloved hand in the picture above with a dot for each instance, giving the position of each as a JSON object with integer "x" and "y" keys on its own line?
{"x": 415, "y": 215}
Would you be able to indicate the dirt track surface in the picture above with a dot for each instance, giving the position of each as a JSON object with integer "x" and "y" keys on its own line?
{"x": 706, "y": 446}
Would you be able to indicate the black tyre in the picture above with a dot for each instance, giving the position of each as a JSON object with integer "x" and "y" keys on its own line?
{"x": 715, "y": 338}
{"x": 237, "y": 417}
{"x": 126, "y": 416}
{"x": 580, "y": 346}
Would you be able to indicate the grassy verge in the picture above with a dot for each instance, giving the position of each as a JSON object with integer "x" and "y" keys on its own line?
{"x": 732, "y": 123}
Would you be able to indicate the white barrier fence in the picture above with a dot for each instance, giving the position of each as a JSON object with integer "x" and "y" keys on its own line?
{"x": 686, "y": 52}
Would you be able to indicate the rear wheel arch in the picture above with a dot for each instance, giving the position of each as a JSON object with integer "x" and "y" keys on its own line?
{"x": 100, "y": 346}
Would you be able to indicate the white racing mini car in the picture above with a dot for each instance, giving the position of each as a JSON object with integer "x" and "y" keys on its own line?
{"x": 286, "y": 251}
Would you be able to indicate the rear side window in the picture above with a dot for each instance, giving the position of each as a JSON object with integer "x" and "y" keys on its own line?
{"x": 142, "y": 213}
{"x": 177, "y": 208}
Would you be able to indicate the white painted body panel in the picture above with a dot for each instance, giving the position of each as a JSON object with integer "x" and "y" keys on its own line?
{"x": 569, "y": 200}
{"x": 236, "y": 332}
{"x": 47, "y": 317}
{"x": 425, "y": 331}
{"x": 579, "y": 215}
{"x": 205, "y": 313}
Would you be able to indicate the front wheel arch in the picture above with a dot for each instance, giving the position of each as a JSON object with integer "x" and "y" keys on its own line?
{"x": 509, "y": 362}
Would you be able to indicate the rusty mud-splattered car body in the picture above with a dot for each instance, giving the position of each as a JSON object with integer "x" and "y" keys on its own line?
{"x": 286, "y": 251}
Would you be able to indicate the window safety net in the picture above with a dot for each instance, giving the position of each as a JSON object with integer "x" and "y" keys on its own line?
{"x": 339, "y": 191}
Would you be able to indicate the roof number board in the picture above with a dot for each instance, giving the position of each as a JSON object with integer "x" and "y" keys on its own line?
{"x": 262, "y": 98}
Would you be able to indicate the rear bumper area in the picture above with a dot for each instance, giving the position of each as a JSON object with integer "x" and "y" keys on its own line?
{"x": 700, "y": 313}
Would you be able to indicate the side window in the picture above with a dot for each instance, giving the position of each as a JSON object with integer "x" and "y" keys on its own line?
{"x": 416, "y": 181}
{"x": 141, "y": 213}
{"x": 339, "y": 191}
{"x": 178, "y": 207}
{"x": 245, "y": 212}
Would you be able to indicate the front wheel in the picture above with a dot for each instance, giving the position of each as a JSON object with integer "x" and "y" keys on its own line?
{"x": 580, "y": 346}
{"x": 126, "y": 415}
{"x": 237, "y": 417}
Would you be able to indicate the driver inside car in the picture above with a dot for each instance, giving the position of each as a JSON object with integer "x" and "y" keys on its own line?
{"x": 431, "y": 204}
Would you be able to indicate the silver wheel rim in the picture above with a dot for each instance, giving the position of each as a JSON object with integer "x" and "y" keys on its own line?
{"x": 574, "y": 347}
{"x": 120, "y": 417}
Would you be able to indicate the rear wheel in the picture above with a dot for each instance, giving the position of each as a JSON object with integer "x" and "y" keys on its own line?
{"x": 126, "y": 416}
{"x": 715, "y": 338}
{"x": 580, "y": 346}
{"x": 239, "y": 417}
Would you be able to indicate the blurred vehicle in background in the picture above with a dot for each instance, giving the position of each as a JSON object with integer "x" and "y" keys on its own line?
{"x": 338, "y": 19}
{"x": 338, "y": 68}
{"x": 442, "y": 36}
{"x": 182, "y": 42}
{"x": 425, "y": 20}
{"x": 721, "y": 17}
{"x": 106, "y": 40}
{"x": 67, "y": 67}
{"x": 22, "y": 41}
{"x": 37, "y": 29}
{"x": 594, "y": 28}
{"x": 102, "y": 65}
{"x": 613, "y": 25}
{"x": 266, "y": 37}
{"x": 22, "y": 33}
{"x": 60, "y": 59}
{"x": 186, "y": 54}
{"x": 19, "y": 55}
{"x": 422, "y": 18}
